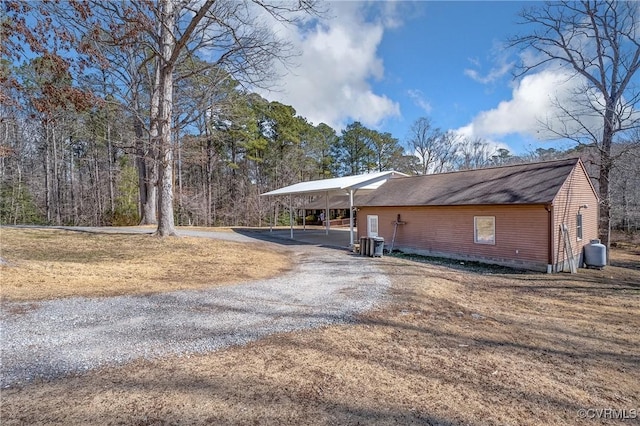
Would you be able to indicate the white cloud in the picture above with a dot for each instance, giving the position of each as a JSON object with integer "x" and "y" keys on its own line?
{"x": 418, "y": 99}
{"x": 338, "y": 59}
{"x": 493, "y": 75}
{"x": 502, "y": 66}
{"x": 533, "y": 108}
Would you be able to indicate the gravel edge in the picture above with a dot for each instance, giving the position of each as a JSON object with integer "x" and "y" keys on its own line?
{"x": 51, "y": 339}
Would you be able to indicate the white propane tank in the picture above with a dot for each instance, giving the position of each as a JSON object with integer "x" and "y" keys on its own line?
{"x": 595, "y": 254}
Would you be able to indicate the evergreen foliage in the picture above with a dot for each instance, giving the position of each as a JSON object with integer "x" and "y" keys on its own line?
{"x": 77, "y": 141}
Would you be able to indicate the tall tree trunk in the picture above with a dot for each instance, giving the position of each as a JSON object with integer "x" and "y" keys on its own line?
{"x": 74, "y": 204}
{"x": 208, "y": 179}
{"x": 179, "y": 166}
{"x": 164, "y": 85}
{"x": 146, "y": 166}
{"x": 147, "y": 180}
{"x": 215, "y": 196}
{"x": 112, "y": 202}
{"x": 19, "y": 192}
{"x": 47, "y": 172}
{"x": 56, "y": 178}
{"x": 166, "y": 224}
{"x": 625, "y": 207}
{"x": 97, "y": 193}
{"x": 605, "y": 201}
{"x": 81, "y": 189}
{"x": 63, "y": 216}
{"x": 606, "y": 164}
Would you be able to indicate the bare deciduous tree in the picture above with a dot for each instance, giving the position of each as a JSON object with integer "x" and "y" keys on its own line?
{"x": 233, "y": 32}
{"x": 420, "y": 141}
{"x": 473, "y": 154}
{"x": 238, "y": 37}
{"x": 436, "y": 150}
{"x": 597, "y": 42}
{"x": 625, "y": 185}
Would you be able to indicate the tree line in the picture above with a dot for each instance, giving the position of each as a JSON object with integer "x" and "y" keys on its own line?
{"x": 144, "y": 114}
{"x": 72, "y": 160}
{"x": 74, "y": 157}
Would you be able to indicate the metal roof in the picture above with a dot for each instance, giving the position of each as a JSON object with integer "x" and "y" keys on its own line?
{"x": 533, "y": 183}
{"x": 346, "y": 183}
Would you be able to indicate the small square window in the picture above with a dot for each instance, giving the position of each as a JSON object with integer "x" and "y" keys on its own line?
{"x": 485, "y": 229}
{"x": 579, "y": 226}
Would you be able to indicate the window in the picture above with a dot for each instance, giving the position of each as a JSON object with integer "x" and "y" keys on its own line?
{"x": 579, "y": 226}
{"x": 485, "y": 229}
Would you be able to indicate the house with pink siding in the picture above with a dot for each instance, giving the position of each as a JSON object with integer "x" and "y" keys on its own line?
{"x": 536, "y": 216}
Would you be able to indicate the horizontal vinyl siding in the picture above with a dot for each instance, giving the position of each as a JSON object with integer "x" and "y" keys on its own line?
{"x": 449, "y": 230}
{"x": 576, "y": 191}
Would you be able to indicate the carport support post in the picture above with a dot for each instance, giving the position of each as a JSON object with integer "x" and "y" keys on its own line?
{"x": 291, "y": 214}
{"x": 351, "y": 218}
{"x": 272, "y": 217}
{"x": 326, "y": 211}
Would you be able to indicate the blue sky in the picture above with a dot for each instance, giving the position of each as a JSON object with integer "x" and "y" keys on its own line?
{"x": 388, "y": 63}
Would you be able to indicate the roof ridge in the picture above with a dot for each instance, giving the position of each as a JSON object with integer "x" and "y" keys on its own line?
{"x": 526, "y": 183}
{"x": 570, "y": 159}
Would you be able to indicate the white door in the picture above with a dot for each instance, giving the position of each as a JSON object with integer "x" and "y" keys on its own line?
{"x": 372, "y": 225}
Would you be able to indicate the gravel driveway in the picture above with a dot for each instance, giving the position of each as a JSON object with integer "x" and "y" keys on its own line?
{"x": 60, "y": 337}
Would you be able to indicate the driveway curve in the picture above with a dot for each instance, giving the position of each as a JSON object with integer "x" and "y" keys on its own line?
{"x": 56, "y": 338}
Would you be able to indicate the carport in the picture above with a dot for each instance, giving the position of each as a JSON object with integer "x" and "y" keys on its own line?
{"x": 348, "y": 185}
{"x": 336, "y": 238}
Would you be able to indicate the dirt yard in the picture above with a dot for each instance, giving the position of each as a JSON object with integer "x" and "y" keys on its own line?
{"x": 452, "y": 345}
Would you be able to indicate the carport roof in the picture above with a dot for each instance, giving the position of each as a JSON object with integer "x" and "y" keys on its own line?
{"x": 346, "y": 183}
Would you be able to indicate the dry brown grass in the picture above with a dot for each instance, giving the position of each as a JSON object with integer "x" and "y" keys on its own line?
{"x": 47, "y": 263}
{"x": 451, "y": 346}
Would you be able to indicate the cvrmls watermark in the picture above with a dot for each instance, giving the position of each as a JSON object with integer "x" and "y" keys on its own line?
{"x": 609, "y": 413}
